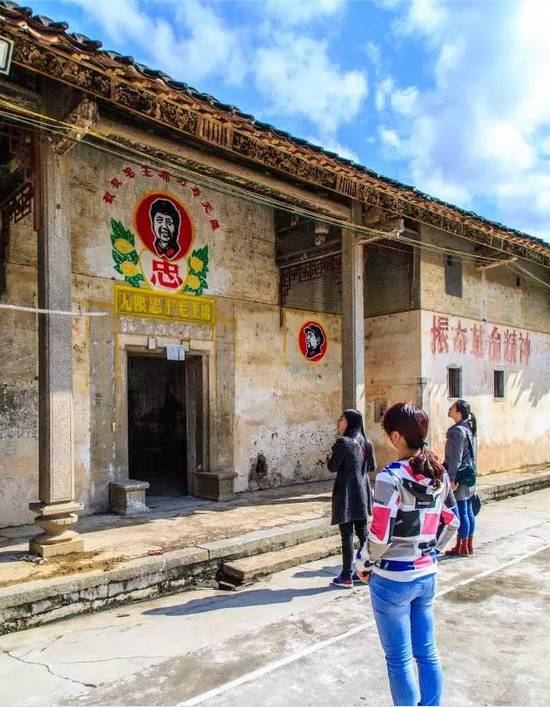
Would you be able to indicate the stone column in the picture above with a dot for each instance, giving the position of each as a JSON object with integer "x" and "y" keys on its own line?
{"x": 56, "y": 510}
{"x": 353, "y": 320}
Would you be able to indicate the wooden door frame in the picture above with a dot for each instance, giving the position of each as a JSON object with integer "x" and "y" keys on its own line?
{"x": 192, "y": 397}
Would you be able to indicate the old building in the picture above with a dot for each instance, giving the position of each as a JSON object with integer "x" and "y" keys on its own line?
{"x": 233, "y": 287}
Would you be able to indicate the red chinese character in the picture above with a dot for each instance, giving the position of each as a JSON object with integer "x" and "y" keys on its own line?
{"x": 116, "y": 183}
{"x": 108, "y": 198}
{"x": 129, "y": 172}
{"x": 181, "y": 181}
{"x": 524, "y": 348}
{"x": 495, "y": 345}
{"x": 196, "y": 191}
{"x": 164, "y": 176}
{"x": 146, "y": 171}
{"x": 166, "y": 274}
{"x": 440, "y": 334}
{"x": 460, "y": 339}
{"x": 207, "y": 207}
{"x": 214, "y": 223}
{"x": 510, "y": 346}
{"x": 478, "y": 343}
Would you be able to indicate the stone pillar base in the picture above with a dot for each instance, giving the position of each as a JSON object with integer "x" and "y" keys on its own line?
{"x": 56, "y": 520}
{"x": 127, "y": 498}
{"x": 216, "y": 486}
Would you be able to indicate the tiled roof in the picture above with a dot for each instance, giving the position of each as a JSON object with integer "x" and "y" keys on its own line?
{"x": 46, "y": 31}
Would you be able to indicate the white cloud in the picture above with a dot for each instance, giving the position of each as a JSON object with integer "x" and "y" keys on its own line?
{"x": 389, "y": 137}
{"x": 192, "y": 44}
{"x": 383, "y": 92}
{"x": 404, "y": 101}
{"x": 295, "y": 12}
{"x": 481, "y": 131}
{"x": 333, "y": 145}
{"x": 374, "y": 53}
{"x": 298, "y": 78}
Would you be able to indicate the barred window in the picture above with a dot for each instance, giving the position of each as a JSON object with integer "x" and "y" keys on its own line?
{"x": 454, "y": 382}
{"x": 498, "y": 384}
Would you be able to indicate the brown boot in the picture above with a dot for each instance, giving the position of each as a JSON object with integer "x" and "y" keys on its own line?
{"x": 455, "y": 551}
{"x": 470, "y": 544}
{"x": 459, "y": 550}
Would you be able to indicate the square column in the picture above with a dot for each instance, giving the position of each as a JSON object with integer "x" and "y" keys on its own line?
{"x": 56, "y": 509}
{"x": 353, "y": 318}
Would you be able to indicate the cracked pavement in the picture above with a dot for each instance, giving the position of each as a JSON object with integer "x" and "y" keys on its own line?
{"x": 493, "y": 631}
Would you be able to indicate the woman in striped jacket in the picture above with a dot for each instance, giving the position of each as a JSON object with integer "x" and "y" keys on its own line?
{"x": 414, "y": 517}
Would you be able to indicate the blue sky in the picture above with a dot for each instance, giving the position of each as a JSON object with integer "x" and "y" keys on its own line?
{"x": 452, "y": 96}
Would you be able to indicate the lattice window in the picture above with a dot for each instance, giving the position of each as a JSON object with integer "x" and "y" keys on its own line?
{"x": 315, "y": 286}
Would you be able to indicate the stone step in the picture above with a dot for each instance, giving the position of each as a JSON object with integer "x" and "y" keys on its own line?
{"x": 249, "y": 569}
{"x": 44, "y": 600}
{"x": 509, "y": 485}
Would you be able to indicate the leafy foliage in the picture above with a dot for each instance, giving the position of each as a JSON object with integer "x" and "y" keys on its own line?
{"x": 197, "y": 264}
{"x": 120, "y": 233}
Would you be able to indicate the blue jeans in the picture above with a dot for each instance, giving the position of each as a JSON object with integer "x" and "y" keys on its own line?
{"x": 405, "y": 621}
{"x": 467, "y": 519}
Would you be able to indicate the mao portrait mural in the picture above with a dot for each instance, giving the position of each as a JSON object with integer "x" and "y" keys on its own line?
{"x": 313, "y": 341}
{"x": 153, "y": 247}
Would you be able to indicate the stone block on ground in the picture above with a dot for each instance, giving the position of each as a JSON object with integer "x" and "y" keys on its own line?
{"x": 248, "y": 569}
{"x": 127, "y": 498}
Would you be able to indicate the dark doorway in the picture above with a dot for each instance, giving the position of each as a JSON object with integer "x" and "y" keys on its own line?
{"x": 157, "y": 424}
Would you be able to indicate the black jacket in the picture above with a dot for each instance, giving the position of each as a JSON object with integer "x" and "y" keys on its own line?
{"x": 351, "y": 495}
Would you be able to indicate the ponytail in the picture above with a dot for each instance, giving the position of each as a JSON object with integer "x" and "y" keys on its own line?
{"x": 412, "y": 423}
{"x": 473, "y": 424}
{"x": 465, "y": 410}
{"x": 427, "y": 463}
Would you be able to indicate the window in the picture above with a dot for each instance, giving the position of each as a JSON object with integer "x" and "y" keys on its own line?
{"x": 454, "y": 382}
{"x": 498, "y": 384}
{"x": 453, "y": 276}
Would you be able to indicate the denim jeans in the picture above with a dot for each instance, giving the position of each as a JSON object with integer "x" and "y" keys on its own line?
{"x": 346, "y": 533}
{"x": 467, "y": 519}
{"x": 405, "y": 621}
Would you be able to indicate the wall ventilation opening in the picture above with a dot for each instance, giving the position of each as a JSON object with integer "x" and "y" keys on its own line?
{"x": 498, "y": 384}
{"x": 454, "y": 382}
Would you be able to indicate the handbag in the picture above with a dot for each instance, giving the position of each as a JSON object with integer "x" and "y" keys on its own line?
{"x": 476, "y": 504}
{"x": 466, "y": 474}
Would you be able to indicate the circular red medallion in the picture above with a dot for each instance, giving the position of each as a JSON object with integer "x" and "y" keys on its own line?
{"x": 313, "y": 341}
{"x": 164, "y": 226}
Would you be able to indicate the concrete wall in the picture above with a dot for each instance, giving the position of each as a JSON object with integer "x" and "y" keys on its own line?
{"x": 392, "y": 370}
{"x": 285, "y": 406}
{"x": 513, "y": 432}
{"x": 258, "y": 380}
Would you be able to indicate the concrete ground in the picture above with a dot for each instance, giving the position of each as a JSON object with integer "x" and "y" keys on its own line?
{"x": 176, "y": 523}
{"x": 173, "y": 523}
{"x": 294, "y": 640}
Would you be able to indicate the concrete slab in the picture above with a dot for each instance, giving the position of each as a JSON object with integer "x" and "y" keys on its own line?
{"x": 249, "y": 569}
{"x": 172, "y": 649}
{"x": 173, "y": 548}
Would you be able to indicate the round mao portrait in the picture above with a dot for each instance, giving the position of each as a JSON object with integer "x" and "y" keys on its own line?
{"x": 164, "y": 226}
{"x": 313, "y": 341}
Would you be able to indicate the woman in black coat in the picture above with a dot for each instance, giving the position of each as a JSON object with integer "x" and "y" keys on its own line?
{"x": 351, "y": 459}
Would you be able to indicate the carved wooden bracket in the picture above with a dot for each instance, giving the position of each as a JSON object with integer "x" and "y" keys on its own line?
{"x": 82, "y": 119}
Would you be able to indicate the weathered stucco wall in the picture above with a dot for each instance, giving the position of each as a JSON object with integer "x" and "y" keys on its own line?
{"x": 242, "y": 276}
{"x": 392, "y": 371}
{"x": 285, "y": 406}
{"x": 515, "y": 431}
{"x": 499, "y": 295}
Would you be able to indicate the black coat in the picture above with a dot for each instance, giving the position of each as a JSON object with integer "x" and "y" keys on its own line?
{"x": 351, "y": 495}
